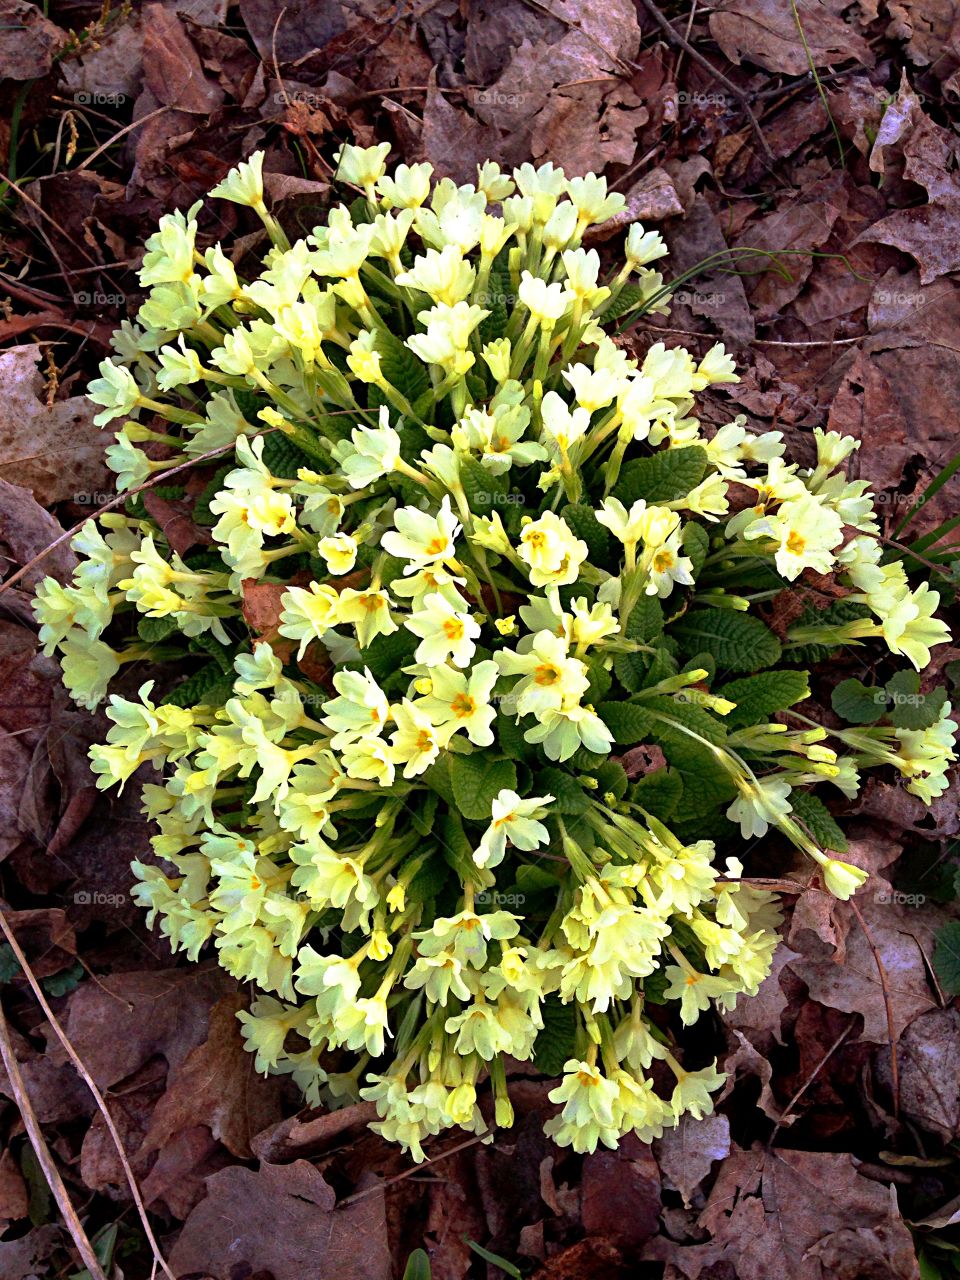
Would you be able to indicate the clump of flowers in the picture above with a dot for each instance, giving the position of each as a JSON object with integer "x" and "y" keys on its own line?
{"x": 501, "y": 553}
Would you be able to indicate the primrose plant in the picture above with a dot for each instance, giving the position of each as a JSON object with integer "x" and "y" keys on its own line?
{"x": 478, "y": 663}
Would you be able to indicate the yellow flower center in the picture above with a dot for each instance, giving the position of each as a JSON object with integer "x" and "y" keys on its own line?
{"x": 546, "y": 674}
{"x": 453, "y": 629}
{"x": 463, "y": 705}
{"x": 796, "y": 543}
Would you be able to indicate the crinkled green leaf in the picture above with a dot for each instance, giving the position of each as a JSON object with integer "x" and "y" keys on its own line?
{"x": 663, "y": 477}
{"x": 738, "y": 641}
{"x": 476, "y": 781}
{"x": 758, "y": 697}
{"x": 815, "y": 815}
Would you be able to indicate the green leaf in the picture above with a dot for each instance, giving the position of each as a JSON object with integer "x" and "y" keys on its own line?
{"x": 738, "y": 641}
{"x": 153, "y": 630}
{"x": 584, "y": 523}
{"x": 946, "y": 958}
{"x": 510, "y": 737}
{"x": 423, "y": 818}
{"x": 702, "y": 661}
{"x": 644, "y": 626}
{"x": 697, "y": 719}
{"x": 58, "y": 984}
{"x": 569, "y": 795}
{"x": 283, "y": 457}
{"x": 400, "y": 366}
{"x": 554, "y": 1045}
{"x": 418, "y": 1266}
{"x": 600, "y": 681}
{"x": 696, "y": 544}
{"x": 211, "y": 646}
{"x": 758, "y": 697}
{"x": 627, "y": 721}
{"x": 706, "y": 784}
{"x": 208, "y": 686}
{"x": 857, "y": 703}
{"x": 507, "y": 1267}
{"x": 813, "y": 813}
{"x": 658, "y": 792}
{"x": 909, "y": 708}
{"x": 662, "y": 666}
{"x": 834, "y": 615}
{"x": 484, "y": 490}
{"x": 438, "y": 778}
{"x": 457, "y": 849}
{"x": 385, "y": 655}
{"x": 629, "y": 297}
{"x": 663, "y": 477}
{"x": 9, "y": 964}
{"x": 611, "y": 777}
{"x": 477, "y": 780}
{"x": 499, "y": 301}
{"x": 201, "y": 510}
{"x": 429, "y": 880}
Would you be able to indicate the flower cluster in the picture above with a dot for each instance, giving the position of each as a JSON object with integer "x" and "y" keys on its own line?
{"x": 501, "y": 552}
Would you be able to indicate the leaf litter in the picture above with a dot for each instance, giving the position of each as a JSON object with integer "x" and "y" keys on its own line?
{"x": 840, "y": 1107}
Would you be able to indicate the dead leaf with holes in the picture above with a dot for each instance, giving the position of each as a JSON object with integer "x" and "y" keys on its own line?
{"x": 52, "y": 449}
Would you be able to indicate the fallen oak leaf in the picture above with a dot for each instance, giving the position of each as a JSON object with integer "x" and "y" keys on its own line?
{"x": 218, "y": 1086}
{"x": 687, "y": 1153}
{"x": 765, "y": 32}
{"x": 282, "y": 1220}
{"x": 797, "y": 1215}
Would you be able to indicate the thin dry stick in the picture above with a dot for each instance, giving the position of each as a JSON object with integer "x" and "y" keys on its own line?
{"x": 409, "y": 1173}
{"x": 29, "y": 200}
{"x": 129, "y": 493}
{"x": 134, "y": 124}
{"x": 810, "y": 1079}
{"x": 85, "y": 1076}
{"x": 888, "y": 1007}
{"x": 115, "y": 502}
{"x": 742, "y": 98}
{"x": 42, "y": 1152}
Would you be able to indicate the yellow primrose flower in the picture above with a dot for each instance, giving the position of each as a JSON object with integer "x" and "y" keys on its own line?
{"x": 362, "y": 166}
{"x": 338, "y": 552}
{"x": 551, "y": 551}
{"x": 368, "y": 612}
